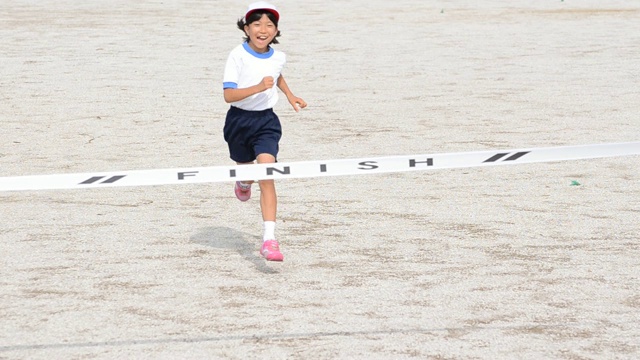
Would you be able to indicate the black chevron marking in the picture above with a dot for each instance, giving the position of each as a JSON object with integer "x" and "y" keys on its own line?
{"x": 517, "y": 155}
{"x": 496, "y": 157}
{"x": 94, "y": 179}
{"x": 91, "y": 180}
{"x": 113, "y": 179}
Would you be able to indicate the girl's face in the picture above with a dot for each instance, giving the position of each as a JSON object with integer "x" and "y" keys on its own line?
{"x": 261, "y": 32}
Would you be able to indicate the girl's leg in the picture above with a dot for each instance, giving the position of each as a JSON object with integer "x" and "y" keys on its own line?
{"x": 269, "y": 204}
{"x": 246, "y": 182}
{"x": 268, "y": 197}
{"x": 243, "y": 188}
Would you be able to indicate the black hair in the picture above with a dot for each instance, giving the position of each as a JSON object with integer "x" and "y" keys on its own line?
{"x": 255, "y": 16}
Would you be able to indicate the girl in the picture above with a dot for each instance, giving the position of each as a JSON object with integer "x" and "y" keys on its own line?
{"x": 252, "y": 130}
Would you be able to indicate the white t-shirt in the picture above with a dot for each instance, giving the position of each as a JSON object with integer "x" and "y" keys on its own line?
{"x": 246, "y": 68}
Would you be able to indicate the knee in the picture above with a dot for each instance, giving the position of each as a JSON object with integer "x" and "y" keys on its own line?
{"x": 266, "y": 185}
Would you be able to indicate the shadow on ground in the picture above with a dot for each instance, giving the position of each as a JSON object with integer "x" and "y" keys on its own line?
{"x": 230, "y": 239}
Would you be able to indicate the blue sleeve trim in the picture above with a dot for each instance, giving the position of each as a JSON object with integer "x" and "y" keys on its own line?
{"x": 229, "y": 85}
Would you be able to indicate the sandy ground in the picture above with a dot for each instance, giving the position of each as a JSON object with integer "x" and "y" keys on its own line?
{"x": 493, "y": 263}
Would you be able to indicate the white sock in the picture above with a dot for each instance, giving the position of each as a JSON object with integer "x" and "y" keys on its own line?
{"x": 269, "y": 231}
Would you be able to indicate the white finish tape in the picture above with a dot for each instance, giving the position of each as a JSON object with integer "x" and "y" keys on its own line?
{"x": 370, "y": 165}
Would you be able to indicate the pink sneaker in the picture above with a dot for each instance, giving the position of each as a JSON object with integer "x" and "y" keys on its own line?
{"x": 271, "y": 251}
{"x": 242, "y": 195}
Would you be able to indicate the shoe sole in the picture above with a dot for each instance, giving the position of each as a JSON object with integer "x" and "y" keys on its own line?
{"x": 236, "y": 191}
{"x": 277, "y": 258}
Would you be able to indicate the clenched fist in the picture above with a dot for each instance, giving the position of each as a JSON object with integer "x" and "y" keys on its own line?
{"x": 267, "y": 82}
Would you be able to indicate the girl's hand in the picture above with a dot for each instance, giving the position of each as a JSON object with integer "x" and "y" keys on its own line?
{"x": 297, "y": 103}
{"x": 267, "y": 83}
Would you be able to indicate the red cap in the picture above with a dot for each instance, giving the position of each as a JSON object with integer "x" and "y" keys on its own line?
{"x": 261, "y": 5}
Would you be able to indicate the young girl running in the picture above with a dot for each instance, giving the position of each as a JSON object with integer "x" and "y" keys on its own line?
{"x": 252, "y": 130}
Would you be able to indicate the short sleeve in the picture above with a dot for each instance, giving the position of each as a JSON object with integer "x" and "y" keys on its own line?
{"x": 231, "y": 72}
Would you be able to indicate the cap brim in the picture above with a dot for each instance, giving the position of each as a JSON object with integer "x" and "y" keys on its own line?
{"x": 269, "y": 10}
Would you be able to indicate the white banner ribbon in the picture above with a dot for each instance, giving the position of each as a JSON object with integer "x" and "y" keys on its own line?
{"x": 302, "y": 169}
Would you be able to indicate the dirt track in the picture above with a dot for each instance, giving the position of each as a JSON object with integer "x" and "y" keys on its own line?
{"x": 507, "y": 262}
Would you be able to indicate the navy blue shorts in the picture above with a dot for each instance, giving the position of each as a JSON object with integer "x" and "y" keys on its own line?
{"x": 251, "y": 133}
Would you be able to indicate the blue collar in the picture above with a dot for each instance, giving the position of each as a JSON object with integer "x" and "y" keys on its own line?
{"x": 257, "y": 54}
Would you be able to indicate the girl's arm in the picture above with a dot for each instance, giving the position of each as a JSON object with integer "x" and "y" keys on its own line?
{"x": 295, "y": 101}
{"x": 233, "y": 95}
